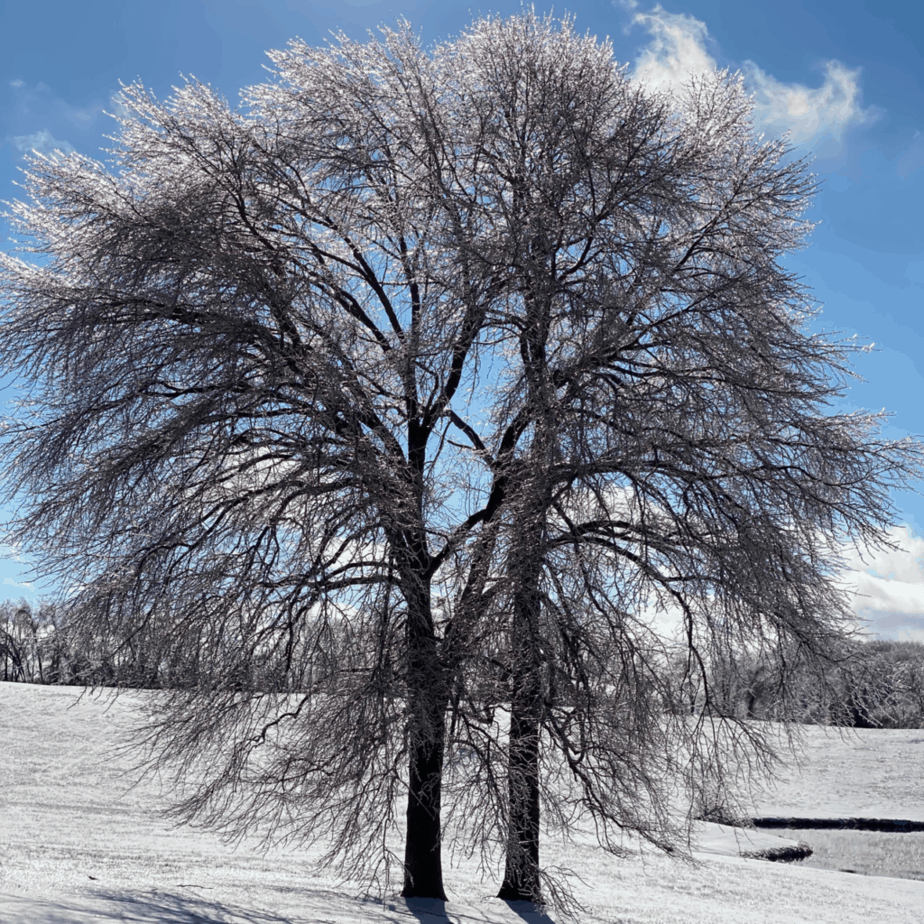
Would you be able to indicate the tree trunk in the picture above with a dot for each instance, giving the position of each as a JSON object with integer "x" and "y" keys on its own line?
{"x": 423, "y": 865}
{"x": 427, "y": 704}
{"x": 521, "y": 872}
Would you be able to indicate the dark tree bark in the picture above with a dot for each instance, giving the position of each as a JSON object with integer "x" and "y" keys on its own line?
{"x": 522, "y": 869}
{"x": 423, "y": 867}
{"x": 522, "y": 879}
{"x": 426, "y": 732}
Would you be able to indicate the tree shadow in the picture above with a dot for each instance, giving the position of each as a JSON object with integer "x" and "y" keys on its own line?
{"x": 171, "y": 908}
{"x": 427, "y": 910}
{"x": 150, "y": 909}
{"x": 433, "y": 911}
{"x": 528, "y": 912}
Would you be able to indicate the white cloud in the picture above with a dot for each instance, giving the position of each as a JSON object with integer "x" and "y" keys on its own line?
{"x": 903, "y": 564}
{"x": 885, "y": 590}
{"x": 885, "y": 587}
{"x": 809, "y": 115}
{"x": 39, "y": 105}
{"x": 42, "y": 141}
{"x": 888, "y": 587}
{"x": 678, "y": 50}
{"x": 889, "y": 595}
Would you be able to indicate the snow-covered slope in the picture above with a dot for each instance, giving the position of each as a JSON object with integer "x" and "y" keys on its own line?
{"x": 862, "y": 773}
{"x": 78, "y": 845}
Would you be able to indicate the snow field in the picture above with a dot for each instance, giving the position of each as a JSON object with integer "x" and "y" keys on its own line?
{"x": 79, "y": 844}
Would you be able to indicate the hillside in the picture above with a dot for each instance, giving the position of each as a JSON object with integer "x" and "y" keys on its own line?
{"x": 79, "y": 844}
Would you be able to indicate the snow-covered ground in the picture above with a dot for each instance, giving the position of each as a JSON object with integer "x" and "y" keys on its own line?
{"x": 862, "y": 773}
{"x": 78, "y": 845}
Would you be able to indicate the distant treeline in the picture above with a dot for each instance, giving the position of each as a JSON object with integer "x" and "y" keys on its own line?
{"x": 38, "y": 646}
{"x": 870, "y": 684}
{"x": 873, "y": 684}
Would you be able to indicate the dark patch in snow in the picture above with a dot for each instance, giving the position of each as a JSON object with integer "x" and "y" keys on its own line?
{"x": 785, "y": 854}
{"x": 894, "y": 825}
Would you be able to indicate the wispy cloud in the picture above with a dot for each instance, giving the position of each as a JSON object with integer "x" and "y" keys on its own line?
{"x": 46, "y": 121}
{"x": 912, "y": 158}
{"x": 9, "y": 551}
{"x": 809, "y": 115}
{"x": 677, "y": 50}
{"x": 42, "y": 141}
{"x": 117, "y": 107}
{"x": 680, "y": 49}
{"x": 10, "y": 581}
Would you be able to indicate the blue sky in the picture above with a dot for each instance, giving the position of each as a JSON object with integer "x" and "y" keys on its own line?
{"x": 845, "y": 78}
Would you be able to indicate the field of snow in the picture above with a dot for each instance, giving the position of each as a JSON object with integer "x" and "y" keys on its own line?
{"x": 79, "y": 845}
{"x": 867, "y": 852}
{"x": 861, "y": 773}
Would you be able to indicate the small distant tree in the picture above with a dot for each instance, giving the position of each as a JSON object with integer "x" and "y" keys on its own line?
{"x": 395, "y": 403}
{"x": 12, "y": 643}
{"x": 28, "y": 642}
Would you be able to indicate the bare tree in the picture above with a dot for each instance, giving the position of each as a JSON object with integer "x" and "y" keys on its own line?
{"x": 29, "y": 641}
{"x": 678, "y": 451}
{"x": 243, "y": 353}
{"x": 13, "y": 643}
{"x": 405, "y": 394}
